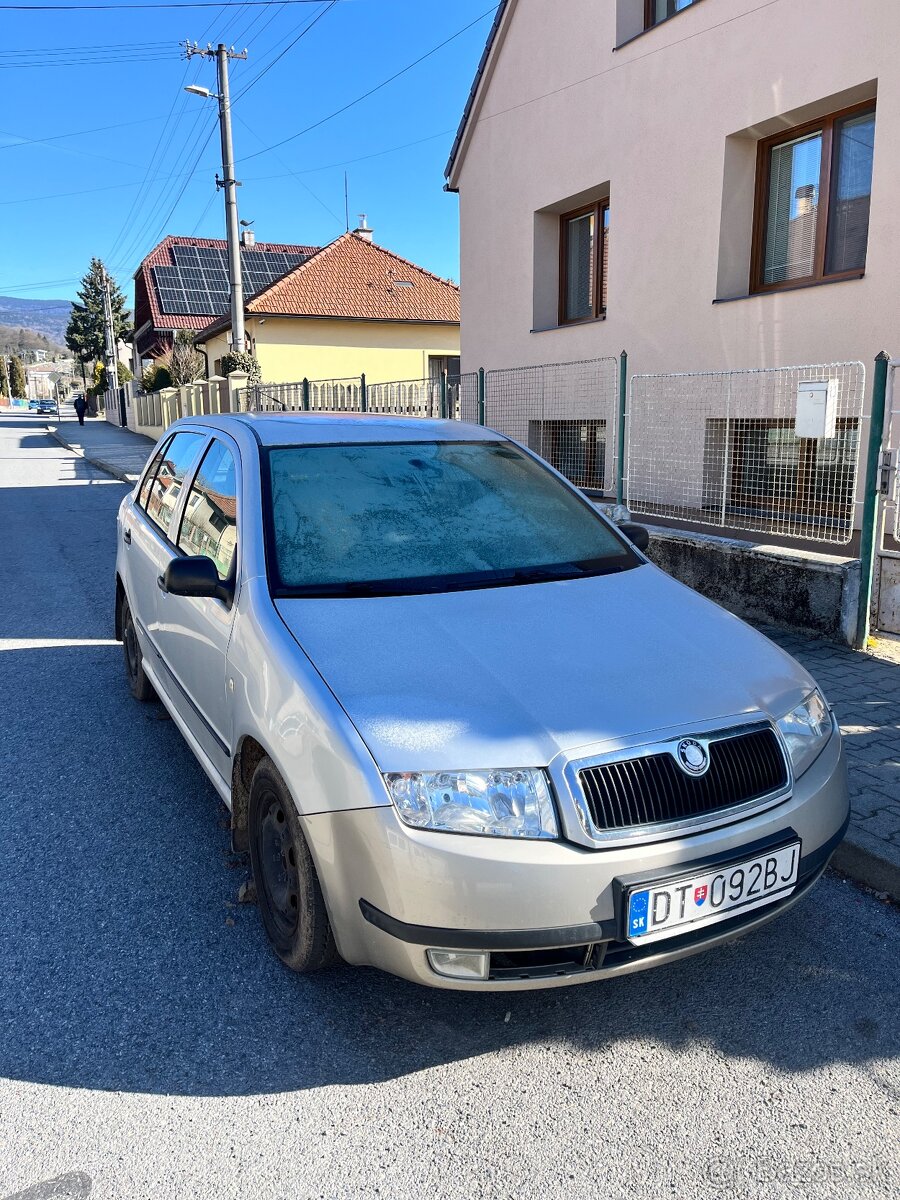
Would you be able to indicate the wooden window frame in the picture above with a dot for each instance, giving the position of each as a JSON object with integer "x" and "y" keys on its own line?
{"x": 825, "y": 126}
{"x": 598, "y": 310}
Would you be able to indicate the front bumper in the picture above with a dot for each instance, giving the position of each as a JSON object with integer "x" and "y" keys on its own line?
{"x": 393, "y": 892}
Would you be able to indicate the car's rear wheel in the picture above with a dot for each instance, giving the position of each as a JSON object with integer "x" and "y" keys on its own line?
{"x": 140, "y": 686}
{"x": 287, "y": 888}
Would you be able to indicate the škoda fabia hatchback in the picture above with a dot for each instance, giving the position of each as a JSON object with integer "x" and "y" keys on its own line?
{"x": 467, "y": 731}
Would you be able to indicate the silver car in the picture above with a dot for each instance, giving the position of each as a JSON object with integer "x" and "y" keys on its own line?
{"x": 468, "y": 733}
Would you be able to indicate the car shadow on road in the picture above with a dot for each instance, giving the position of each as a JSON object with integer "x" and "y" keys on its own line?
{"x": 127, "y": 965}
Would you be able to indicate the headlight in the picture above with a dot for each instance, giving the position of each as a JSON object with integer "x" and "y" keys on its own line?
{"x": 806, "y": 730}
{"x": 496, "y": 803}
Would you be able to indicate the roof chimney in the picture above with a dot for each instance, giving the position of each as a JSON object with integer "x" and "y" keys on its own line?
{"x": 362, "y": 230}
{"x": 248, "y": 238}
{"x": 805, "y": 197}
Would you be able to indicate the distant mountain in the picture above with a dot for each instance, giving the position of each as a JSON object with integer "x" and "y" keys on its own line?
{"x": 49, "y": 317}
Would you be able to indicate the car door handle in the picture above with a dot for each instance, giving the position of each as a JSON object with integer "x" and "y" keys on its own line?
{"x": 126, "y": 537}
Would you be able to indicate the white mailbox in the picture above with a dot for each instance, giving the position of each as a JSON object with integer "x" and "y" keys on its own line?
{"x": 816, "y": 408}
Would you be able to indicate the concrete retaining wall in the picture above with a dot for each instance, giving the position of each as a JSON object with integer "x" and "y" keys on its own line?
{"x": 816, "y": 593}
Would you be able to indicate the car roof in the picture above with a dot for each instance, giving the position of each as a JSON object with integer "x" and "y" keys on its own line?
{"x": 310, "y": 429}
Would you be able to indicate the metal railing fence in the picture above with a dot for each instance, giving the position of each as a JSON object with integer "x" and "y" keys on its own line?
{"x": 566, "y": 412}
{"x": 455, "y": 397}
{"x": 721, "y": 448}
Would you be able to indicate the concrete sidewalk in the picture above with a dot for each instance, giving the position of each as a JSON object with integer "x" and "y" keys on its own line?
{"x": 118, "y": 451}
{"x": 864, "y": 688}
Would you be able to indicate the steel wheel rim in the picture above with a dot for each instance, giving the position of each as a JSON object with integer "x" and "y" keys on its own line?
{"x": 278, "y": 866}
{"x": 131, "y": 649}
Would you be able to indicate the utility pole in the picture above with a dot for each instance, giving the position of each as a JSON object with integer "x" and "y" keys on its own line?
{"x": 109, "y": 338}
{"x": 229, "y": 184}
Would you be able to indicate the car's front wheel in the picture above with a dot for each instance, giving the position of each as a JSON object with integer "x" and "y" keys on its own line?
{"x": 287, "y": 888}
{"x": 140, "y": 686}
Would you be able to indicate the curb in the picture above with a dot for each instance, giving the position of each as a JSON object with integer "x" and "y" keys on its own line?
{"x": 868, "y": 868}
{"x": 110, "y": 468}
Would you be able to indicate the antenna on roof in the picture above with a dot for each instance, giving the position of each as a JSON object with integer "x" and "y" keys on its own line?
{"x": 346, "y": 206}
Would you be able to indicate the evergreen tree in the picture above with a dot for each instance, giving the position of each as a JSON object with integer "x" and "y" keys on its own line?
{"x": 84, "y": 333}
{"x": 18, "y": 386}
{"x": 4, "y": 381}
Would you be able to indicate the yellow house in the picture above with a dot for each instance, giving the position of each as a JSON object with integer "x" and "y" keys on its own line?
{"x": 351, "y": 308}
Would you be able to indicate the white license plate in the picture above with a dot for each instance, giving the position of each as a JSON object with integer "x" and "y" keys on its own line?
{"x": 664, "y": 909}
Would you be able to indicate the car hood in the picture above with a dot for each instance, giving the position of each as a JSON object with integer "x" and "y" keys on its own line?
{"x": 512, "y": 676}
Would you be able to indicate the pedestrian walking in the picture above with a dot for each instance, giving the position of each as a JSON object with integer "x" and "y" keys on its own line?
{"x": 80, "y": 408}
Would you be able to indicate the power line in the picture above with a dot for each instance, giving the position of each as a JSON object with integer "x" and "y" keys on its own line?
{"x": 77, "y": 133}
{"x": 347, "y": 162}
{"x": 43, "y": 51}
{"x": 376, "y": 88}
{"x": 88, "y": 62}
{"x": 79, "y": 8}
{"x": 296, "y": 176}
{"x": 315, "y": 20}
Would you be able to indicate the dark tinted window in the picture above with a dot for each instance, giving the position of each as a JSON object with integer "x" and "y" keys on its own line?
{"x": 209, "y": 524}
{"x": 166, "y": 487}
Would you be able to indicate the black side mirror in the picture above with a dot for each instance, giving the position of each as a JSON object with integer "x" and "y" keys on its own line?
{"x": 638, "y": 535}
{"x": 195, "y": 575}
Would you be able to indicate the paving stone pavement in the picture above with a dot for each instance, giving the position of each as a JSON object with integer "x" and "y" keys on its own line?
{"x": 864, "y": 688}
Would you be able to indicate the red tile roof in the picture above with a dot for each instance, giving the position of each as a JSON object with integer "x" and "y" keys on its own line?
{"x": 355, "y": 279}
{"x": 161, "y": 256}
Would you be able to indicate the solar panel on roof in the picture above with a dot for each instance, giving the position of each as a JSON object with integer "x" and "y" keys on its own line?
{"x": 196, "y": 282}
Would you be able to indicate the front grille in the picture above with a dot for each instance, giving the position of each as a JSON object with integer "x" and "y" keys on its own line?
{"x": 655, "y": 790}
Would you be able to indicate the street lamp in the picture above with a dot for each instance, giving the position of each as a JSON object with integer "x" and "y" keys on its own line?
{"x": 229, "y": 184}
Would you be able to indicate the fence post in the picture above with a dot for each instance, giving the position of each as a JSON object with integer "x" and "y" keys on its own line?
{"x": 305, "y": 400}
{"x": 481, "y": 395}
{"x": 870, "y": 500}
{"x": 363, "y": 398}
{"x": 443, "y": 395}
{"x": 620, "y": 432}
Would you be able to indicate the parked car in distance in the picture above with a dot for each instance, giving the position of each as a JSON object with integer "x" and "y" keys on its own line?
{"x": 43, "y": 405}
{"x": 467, "y": 731}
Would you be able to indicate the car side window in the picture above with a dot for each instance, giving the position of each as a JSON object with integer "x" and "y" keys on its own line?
{"x": 169, "y": 477}
{"x": 209, "y": 523}
{"x": 151, "y": 472}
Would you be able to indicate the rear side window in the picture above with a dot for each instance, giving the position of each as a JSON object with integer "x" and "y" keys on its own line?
{"x": 151, "y": 472}
{"x": 209, "y": 524}
{"x": 166, "y": 486}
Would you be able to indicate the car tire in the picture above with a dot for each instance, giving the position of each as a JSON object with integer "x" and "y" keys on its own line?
{"x": 288, "y": 892}
{"x": 138, "y": 683}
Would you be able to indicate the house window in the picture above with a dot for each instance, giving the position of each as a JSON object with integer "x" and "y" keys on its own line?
{"x": 584, "y": 248}
{"x": 660, "y": 10}
{"x": 812, "y": 201}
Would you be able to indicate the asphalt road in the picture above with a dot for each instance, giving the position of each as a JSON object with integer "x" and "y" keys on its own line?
{"x": 152, "y": 1046}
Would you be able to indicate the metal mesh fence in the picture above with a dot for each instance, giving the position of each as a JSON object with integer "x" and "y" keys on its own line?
{"x": 723, "y": 448}
{"x": 566, "y": 412}
{"x": 892, "y": 452}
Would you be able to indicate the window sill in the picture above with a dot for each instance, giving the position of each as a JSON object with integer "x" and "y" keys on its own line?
{"x": 795, "y": 287}
{"x": 570, "y": 324}
{"x": 634, "y": 37}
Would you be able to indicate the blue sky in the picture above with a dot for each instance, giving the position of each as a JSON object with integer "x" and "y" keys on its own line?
{"x": 71, "y": 72}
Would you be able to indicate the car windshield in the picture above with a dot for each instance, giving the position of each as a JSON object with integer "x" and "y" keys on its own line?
{"x": 411, "y": 517}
